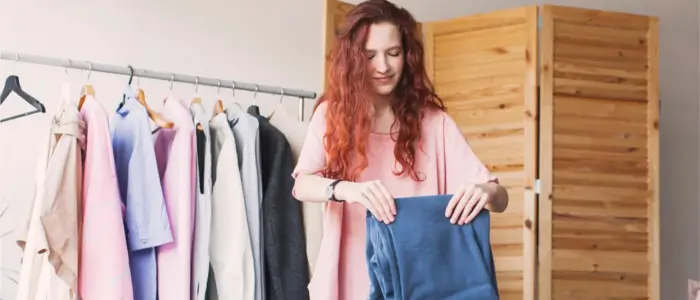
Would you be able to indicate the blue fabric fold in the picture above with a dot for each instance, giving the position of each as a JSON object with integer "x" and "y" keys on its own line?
{"x": 421, "y": 255}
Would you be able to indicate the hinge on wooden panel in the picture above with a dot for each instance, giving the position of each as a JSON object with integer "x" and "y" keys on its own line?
{"x": 537, "y": 186}
{"x": 539, "y": 21}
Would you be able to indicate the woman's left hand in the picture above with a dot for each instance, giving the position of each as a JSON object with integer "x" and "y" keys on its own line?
{"x": 467, "y": 202}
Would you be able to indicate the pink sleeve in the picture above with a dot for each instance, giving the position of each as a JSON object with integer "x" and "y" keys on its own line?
{"x": 461, "y": 164}
{"x": 312, "y": 158}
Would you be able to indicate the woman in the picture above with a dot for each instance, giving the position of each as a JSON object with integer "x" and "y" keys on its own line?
{"x": 378, "y": 133}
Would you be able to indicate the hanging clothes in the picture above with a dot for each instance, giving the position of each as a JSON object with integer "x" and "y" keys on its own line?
{"x": 295, "y": 133}
{"x": 246, "y": 133}
{"x": 231, "y": 247}
{"x": 146, "y": 219}
{"x": 103, "y": 233}
{"x": 421, "y": 255}
{"x": 175, "y": 155}
{"x": 50, "y": 237}
{"x": 202, "y": 227}
{"x": 286, "y": 263}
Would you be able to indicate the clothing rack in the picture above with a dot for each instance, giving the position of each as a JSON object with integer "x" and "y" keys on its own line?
{"x": 172, "y": 77}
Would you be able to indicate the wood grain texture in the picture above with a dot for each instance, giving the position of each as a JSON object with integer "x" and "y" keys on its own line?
{"x": 334, "y": 18}
{"x": 485, "y": 69}
{"x": 599, "y": 155}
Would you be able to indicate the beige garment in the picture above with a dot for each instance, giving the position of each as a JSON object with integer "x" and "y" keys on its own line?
{"x": 295, "y": 132}
{"x": 50, "y": 236}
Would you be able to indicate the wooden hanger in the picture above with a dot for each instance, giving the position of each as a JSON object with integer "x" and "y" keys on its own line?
{"x": 156, "y": 117}
{"x": 87, "y": 90}
{"x": 218, "y": 108}
{"x": 198, "y": 100}
{"x": 219, "y": 105}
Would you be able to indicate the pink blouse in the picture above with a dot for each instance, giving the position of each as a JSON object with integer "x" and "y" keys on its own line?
{"x": 104, "y": 259}
{"x": 175, "y": 155}
{"x": 446, "y": 162}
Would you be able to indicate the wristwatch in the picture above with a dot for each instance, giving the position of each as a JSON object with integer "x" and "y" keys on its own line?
{"x": 330, "y": 191}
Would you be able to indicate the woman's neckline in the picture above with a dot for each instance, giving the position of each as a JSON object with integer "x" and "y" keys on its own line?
{"x": 383, "y": 134}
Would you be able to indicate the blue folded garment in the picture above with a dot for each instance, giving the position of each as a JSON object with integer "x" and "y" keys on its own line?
{"x": 421, "y": 255}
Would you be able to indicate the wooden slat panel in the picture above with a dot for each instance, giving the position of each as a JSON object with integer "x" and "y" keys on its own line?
{"x": 598, "y": 156}
{"x": 484, "y": 69}
{"x": 599, "y": 18}
{"x": 478, "y": 22}
{"x": 600, "y": 36}
{"x": 334, "y": 18}
{"x": 578, "y": 41}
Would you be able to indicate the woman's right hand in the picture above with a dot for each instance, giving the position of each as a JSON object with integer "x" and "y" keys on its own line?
{"x": 371, "y": 194}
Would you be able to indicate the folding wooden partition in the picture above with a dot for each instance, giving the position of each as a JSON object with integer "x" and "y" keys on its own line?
{"x": 561, "y": 104}
{"x": 599, "y": 155}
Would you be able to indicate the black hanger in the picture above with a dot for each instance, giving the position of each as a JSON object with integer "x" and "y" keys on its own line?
{"x": 131, "y": 77}
{"x": 12, "y": 85}
{"x": 131, "y": 73}
{"x": 254, "y": 110}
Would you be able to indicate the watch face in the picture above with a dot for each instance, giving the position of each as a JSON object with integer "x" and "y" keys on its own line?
{"x": 329, "y": 193}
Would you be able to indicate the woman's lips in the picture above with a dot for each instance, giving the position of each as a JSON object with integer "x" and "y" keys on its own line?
{"x": 383, "y": 80}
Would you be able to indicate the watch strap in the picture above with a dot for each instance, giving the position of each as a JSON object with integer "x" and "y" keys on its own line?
{"x": 332, "y": 187}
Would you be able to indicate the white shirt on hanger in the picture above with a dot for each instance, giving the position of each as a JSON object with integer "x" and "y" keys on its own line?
{"x": 246, "y": 132}
{"x": 231, "y": 247}
{"x": 202, "y": 234}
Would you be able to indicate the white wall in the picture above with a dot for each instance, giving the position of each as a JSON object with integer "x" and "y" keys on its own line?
{"x": 249, "y": 41}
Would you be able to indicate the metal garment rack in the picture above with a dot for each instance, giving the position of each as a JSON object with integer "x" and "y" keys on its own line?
{"x": 172, "y": 77}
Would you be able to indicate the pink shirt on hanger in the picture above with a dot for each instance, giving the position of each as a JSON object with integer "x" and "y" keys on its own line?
{"x": 104, "y": 258}
{"x": 445, "y": 162}
{"x": 176, "y": 159}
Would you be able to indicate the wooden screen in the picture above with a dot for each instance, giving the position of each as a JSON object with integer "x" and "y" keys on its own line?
{"x": 334, "y": 18}
{"x": 599, "y": 155}
{"x": 485, "y": 69}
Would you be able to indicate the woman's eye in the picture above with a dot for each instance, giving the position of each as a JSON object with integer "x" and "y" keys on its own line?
{"x": 392, "y": 53}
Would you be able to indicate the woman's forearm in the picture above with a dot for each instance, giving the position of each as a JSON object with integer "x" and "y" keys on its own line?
{"x": 311, "y": 188}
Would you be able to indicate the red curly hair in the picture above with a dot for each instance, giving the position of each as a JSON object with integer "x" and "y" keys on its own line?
{"x": 350, "y": 93}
